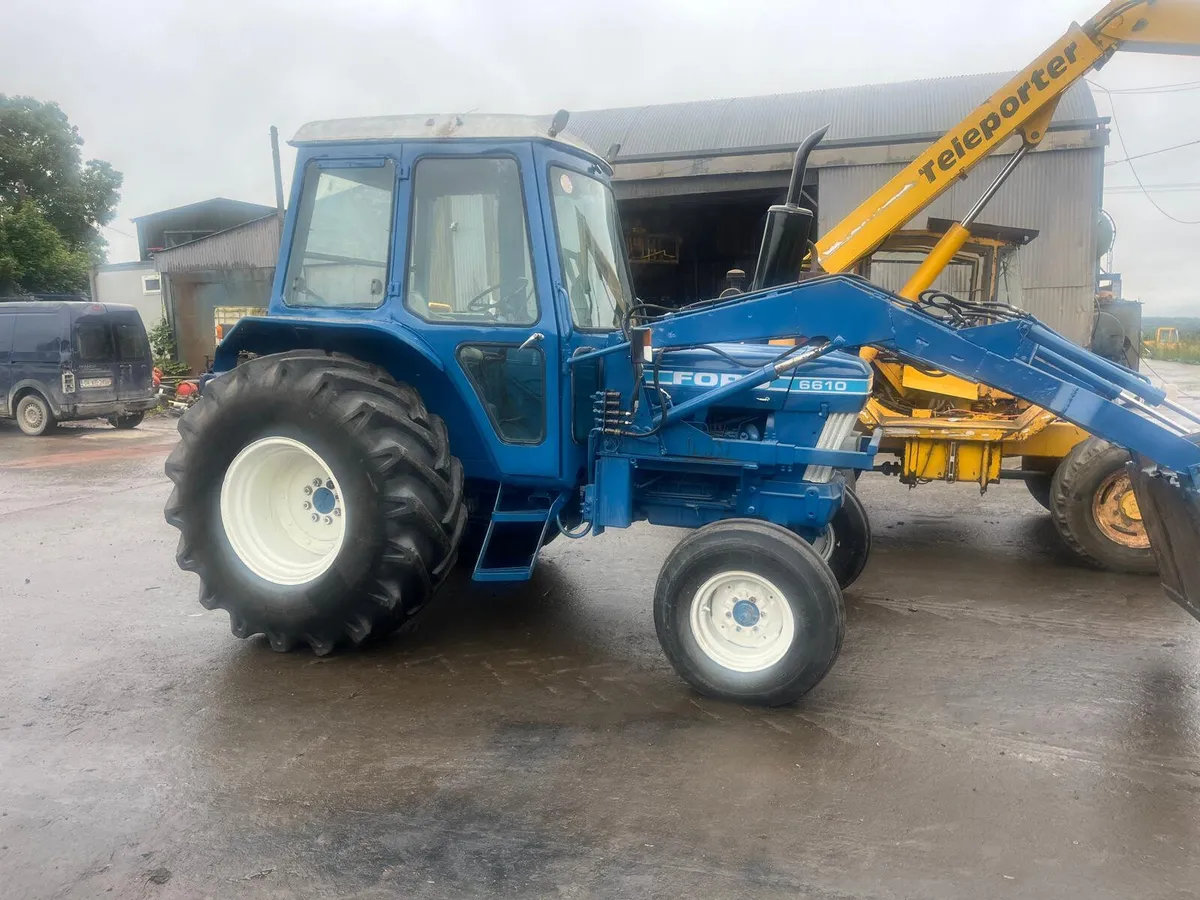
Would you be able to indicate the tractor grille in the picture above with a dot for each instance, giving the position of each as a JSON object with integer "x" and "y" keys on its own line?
{"x": 837, "y": 428}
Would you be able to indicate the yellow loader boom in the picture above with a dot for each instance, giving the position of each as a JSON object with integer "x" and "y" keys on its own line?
{"x": 1024, "y": 105}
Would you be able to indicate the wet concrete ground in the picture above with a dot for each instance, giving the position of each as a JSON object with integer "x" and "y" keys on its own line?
{"x": 1001, "y": 723}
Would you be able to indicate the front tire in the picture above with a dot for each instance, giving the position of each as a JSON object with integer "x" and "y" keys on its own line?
{"x": 1095, "y": 511}
{"x": 747, "y": 611}
{"x": 845, "y": 544}
{"x": 34, "y": 417}
{"x": 316, "y": 499}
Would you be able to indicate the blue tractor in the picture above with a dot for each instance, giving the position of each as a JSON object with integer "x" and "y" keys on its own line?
{"x": 454, "y": 368}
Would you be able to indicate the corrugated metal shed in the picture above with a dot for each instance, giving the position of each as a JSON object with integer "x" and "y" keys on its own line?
{"x": 858, "y": 115}
{"x": 254, "y": 245}
{"x": 1056, "y": 193}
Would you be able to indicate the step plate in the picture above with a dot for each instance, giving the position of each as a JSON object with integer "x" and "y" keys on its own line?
{"x": 1171, "y": 514}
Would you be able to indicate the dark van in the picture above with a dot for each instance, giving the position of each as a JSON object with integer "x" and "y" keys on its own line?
{"x": 73, "y": 359}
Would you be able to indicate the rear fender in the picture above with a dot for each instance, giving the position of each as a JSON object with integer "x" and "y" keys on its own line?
{"x": 401, "y": 351}
{"x": 48, "y": 390}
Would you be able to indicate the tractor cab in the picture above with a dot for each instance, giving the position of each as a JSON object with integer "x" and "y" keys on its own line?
{"x": 480, "y": 260}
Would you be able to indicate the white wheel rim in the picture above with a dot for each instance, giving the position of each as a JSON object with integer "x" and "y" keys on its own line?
{"x": 825, "y": 542}
{"x": 742, "y": 621}
{"x": 271, "y": 493}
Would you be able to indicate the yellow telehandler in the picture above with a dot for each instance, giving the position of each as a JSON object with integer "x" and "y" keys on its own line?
{"x": 943, "y": 428}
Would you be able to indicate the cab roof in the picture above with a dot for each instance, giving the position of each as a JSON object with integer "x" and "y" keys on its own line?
{"x": 438, "y": 127}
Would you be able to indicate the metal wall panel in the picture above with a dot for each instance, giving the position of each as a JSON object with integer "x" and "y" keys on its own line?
{"x": 1058, "y": 193}
{"x": 254, "y": 245}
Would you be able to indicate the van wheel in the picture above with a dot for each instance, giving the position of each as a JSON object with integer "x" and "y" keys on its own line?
{"x": 316, "y": 498}
{"x": 133, "y": 420}
{"x": 33, "y": 415}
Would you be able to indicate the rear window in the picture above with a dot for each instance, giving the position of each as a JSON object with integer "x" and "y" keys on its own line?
{"x": 131, "y": 343}
{"x": 94, "y": 342}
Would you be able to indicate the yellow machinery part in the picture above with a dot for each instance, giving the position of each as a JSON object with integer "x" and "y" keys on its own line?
{"x": 948, "y": 460}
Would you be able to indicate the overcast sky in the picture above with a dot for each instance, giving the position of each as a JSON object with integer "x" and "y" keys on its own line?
{"x": 180, "y": 95}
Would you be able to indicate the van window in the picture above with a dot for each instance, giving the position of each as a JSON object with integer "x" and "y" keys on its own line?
{"x": 131, "y": 343}
{"x": 36, "y": 337}
{"x": 93, "y": 342}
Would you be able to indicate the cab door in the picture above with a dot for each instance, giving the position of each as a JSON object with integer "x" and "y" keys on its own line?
{"x": 474, "y": 282}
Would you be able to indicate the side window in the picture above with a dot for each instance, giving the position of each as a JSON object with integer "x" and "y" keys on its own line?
{"x": 469, "y": 257}
{"x": 591, "y": 251}
{"x": 94, "y": 341}
{"x": 511, "y": 384}
{"x": 6, "y": 335}
{"x": 36, "y": 337}
{"x": 131, "y": 343}
{"x": 339, "y": 253}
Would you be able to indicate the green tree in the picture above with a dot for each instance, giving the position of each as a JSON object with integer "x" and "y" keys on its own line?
{"x": 52, "y": 203}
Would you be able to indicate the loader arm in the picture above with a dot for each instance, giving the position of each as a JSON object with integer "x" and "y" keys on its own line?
{"x": 1024, "y": 105}
{"x": 1020, "y": 356}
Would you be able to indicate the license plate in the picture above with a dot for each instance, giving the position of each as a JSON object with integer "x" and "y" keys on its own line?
{"x": 95, "y": 382}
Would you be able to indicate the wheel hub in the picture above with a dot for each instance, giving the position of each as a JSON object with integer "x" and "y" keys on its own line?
{"x": 33, "y": 415}
{"x": 1116, "y": 513}
{"x": 742, "y": 621}
{"x": 282, "y": 511}
{"x": 745, "y": 613}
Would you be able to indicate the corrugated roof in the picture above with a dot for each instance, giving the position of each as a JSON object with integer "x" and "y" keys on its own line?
{"x": 864, "y": 114}
{"x": 252, "y": 245}
{"x": 213, "y": 203}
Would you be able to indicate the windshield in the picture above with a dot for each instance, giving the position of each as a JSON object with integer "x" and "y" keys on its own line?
{"x": 592, "y": 254}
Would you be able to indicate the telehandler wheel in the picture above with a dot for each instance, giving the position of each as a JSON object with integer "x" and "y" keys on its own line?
{"x": 747, "y": 611}
{"x": 1038, "y": 483}
{"x": 316, "y": 499}
{"x": 845, "y": 544}
{"x": 1095, "y": 511}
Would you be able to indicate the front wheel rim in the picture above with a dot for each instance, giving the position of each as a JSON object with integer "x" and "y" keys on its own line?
{"x": 282, "y": 510}
{"x": 742, "y": 621}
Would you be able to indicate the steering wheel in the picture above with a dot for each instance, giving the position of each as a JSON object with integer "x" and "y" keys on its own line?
{"x": 478, "y": 304}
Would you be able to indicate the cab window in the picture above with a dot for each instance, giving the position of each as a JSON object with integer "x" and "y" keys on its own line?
{"x": 469, "y": 258}
{"x": 591, "y": 251}
{"x": 343, "y": 233}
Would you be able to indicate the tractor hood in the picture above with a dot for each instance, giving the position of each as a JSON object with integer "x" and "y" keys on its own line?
{"x": 841, "y": 382}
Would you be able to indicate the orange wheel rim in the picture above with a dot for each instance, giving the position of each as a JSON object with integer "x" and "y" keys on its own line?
{"x": 1116, "y": 513}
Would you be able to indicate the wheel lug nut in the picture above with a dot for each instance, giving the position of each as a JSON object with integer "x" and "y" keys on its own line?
{"x": 315, "y": 517}
{"x": 337, "y": 511}
{"x": 329, "y": 484}
{"x": 307, "y": 490}
{"x": 328, "y": 520}
{"x": 729, "y": 615}
{"x": 307, "y": 505}
{"x": 316, "y": 482}
{"x": 739, "y": 628}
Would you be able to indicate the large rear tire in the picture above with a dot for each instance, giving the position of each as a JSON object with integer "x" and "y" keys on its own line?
{"x": 1095, "y": 511}
{"x": 747, "y": 611}
{"x": 316, "y": 499}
